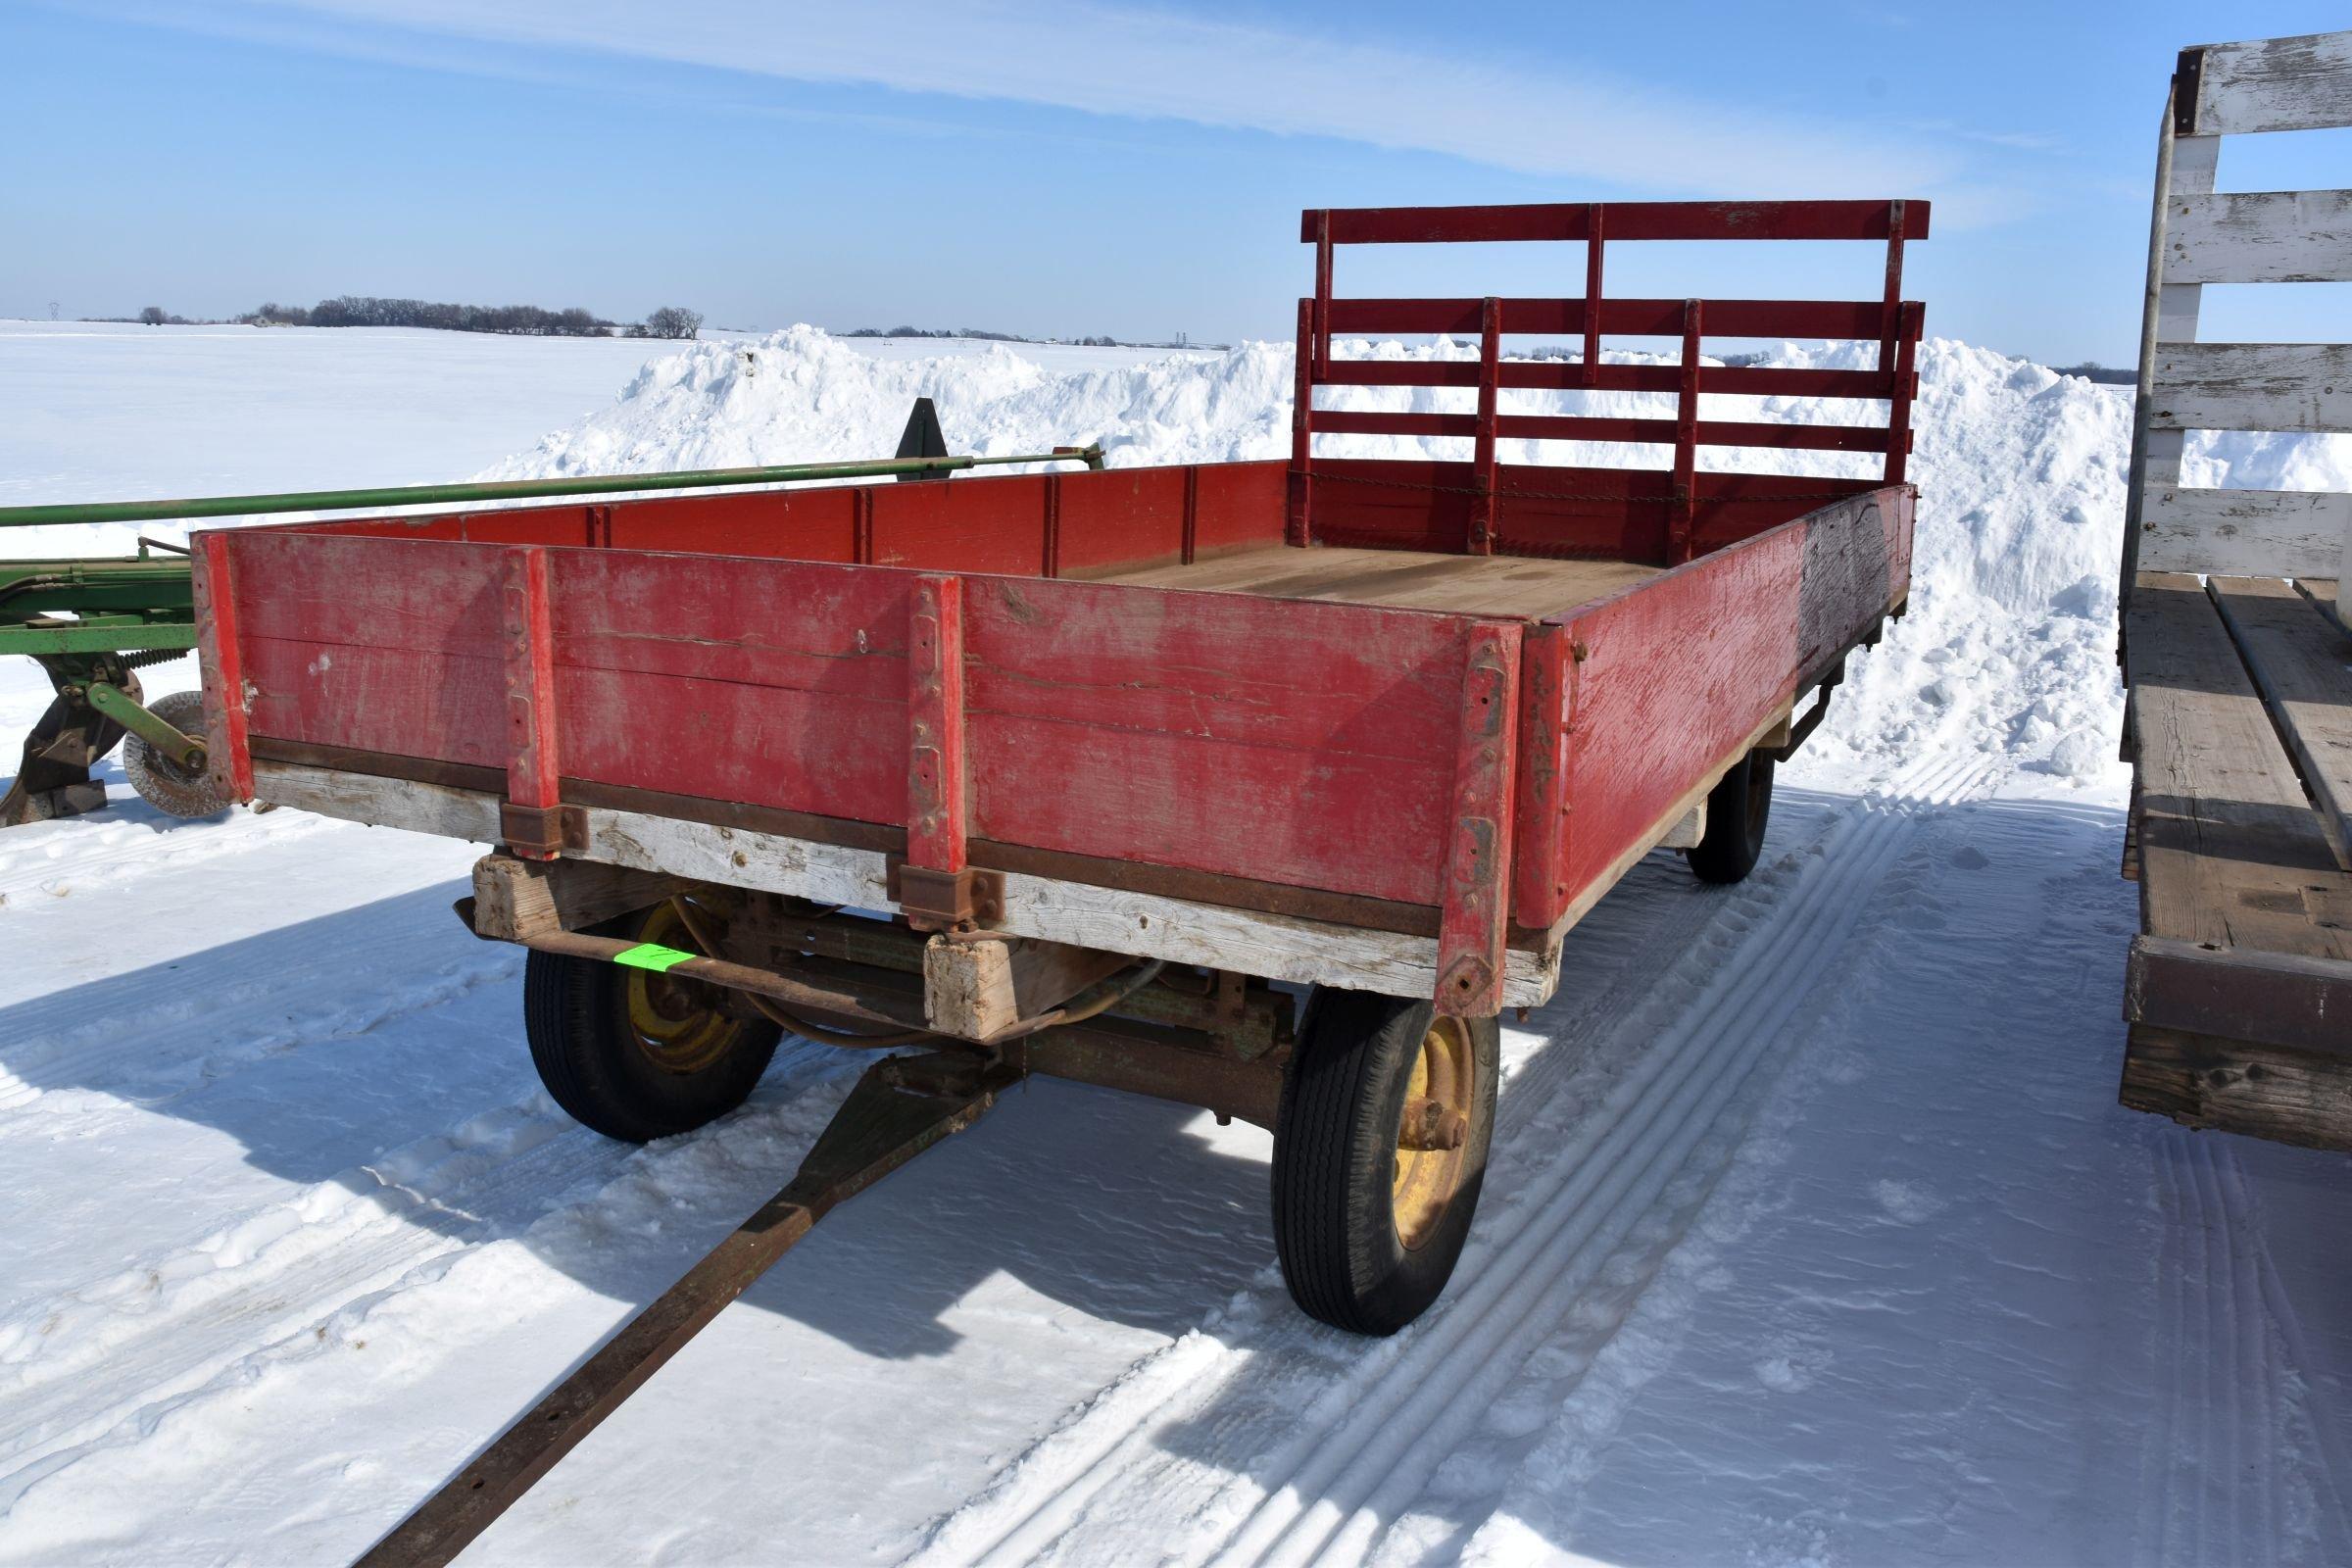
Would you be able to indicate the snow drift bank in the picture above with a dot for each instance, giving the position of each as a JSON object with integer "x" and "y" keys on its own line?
{"x": 2008, "y": 648}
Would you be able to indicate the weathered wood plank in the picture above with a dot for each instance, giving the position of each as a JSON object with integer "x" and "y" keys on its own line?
{"x": 977, "y": 988}
{"x": 2297, "y": 659}
{"x": 2294, "y": 1097}
{"x": 2245, "y": 533}
{"x": 2273, "y": 999}
{"x": 2253, "y": 386}
{"x": 1274, "y": 947}
{"x": 515, "y": 898}
{"x": 2299, "y": 83}
{"x": 2228, "y": 842}
{"x": 456, "y": 813}
{"x": 2278, "y": 236}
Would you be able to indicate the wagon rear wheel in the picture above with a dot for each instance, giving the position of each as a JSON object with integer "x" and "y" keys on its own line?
{"x": 1738, "y": 809}
{"x": 634, "y": 1053}
{"x": 1380, "y": 1150}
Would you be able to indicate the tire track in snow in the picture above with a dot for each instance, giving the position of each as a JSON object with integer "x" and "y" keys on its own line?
{"x": 1368, "y": 1433}
{"x": 89, "y": 1370}
{"x": 2233, "y": 1348}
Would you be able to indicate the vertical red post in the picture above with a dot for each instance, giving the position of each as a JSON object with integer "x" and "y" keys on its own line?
{"x": 221, "y": 665}
{"x": 1191, "y": 512}
{"x": 1482, "y": 520}
{"x": 1300, "y": 529}
{"x": 1547, "y": 676}
{"x": 532, "y": 766}
{"x": 935, "y": 763}
{"x": 1889, "y": 330}
{"x": 1898, "y": 408}
{"x": 1685, "y": 443}
{"x": 1053, "y": 539}
{"x": 862, "y": 527}
{"x": 1594, "y": 241}
{"x": 1323, "y": 293}
{"x": 1474, "y": 921}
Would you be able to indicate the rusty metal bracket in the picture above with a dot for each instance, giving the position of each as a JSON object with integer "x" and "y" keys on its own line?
{"x": 542, "y": 831}
{"x": 2188, "y": 76}
{"x": 945, "y": 900}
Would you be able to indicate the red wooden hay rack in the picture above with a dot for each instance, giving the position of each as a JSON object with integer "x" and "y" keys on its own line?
{"x": 1666, "y": 516}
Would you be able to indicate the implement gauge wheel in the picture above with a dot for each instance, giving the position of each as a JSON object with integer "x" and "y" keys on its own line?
{"x": 1736, "y": 810}
{"x": 1380, "y": 1150}
{"x": 633, "y": 1054}
{"x": 160, "y": 781}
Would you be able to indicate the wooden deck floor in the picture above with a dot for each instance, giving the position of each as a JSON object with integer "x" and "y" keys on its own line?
{"x": 2240, "y": 985}
{"x": 1515, "y": 586}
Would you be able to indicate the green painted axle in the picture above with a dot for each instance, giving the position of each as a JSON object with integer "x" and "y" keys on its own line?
{"x": 418, "y": 495}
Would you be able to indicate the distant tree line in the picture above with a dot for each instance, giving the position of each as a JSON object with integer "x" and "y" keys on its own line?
{"x": 519, "y": 320}
{"x": 1178, "y": 342}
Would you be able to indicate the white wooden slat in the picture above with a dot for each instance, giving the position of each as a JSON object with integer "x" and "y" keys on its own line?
{"x": 2245, "y": 533}
{"x": 2301, "y": 83}
{"x": 2252, "y": 386}
{"x": 2280, "y": 236}
{"x": 1275, "y": 947}
{"x": 2193, "y": 162}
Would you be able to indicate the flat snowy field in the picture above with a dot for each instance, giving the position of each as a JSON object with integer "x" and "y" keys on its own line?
{"x": 1814, "y": 1234}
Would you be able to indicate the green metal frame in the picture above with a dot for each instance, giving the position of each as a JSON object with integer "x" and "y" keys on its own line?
{"x": 118, "y": 605}
{"x": 421, "y": 495}
{"x": 91, "y": 621}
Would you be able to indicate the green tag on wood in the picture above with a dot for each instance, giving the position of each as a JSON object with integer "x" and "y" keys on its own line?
{"x": 651, "y": 956}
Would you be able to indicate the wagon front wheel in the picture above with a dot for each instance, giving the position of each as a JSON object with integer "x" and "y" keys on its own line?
{"x": 1380, "y": 1150}
{"x": 636, "y": 1054}
{"x": 1737, "y": 809}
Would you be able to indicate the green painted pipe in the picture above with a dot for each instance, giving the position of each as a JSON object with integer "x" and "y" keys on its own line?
{"x": 416, "y": 495}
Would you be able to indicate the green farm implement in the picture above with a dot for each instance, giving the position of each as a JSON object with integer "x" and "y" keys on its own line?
{"x": 93, "y": 623}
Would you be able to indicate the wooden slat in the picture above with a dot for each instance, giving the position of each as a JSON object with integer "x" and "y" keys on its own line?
{"x": 1565, "y": 318}
{"x": 2227, "y": 844}
{"x": 1591, "y": 427}
{"x": 2278, "y": 999}
{"x": 2247, "y": 533}
{"x": 1277, "y": 947}
{"x": 2298, "y": 662}
{"x": 2253, "y": 386}
{"x": 1568, "y": 376}
{"x": 2280, "y": 236}
{"x": 2240, "y": 1086}
{"x": 2300, "y": 84}
{"x": 1572, "y": 221}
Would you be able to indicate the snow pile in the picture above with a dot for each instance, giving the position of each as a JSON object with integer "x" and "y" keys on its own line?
{"x": 2008, "y": 646}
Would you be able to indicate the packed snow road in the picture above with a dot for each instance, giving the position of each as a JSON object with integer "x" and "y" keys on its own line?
{"x": 1813, "y": 1233}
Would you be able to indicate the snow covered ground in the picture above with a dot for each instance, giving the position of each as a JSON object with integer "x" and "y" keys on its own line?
{"x": 1814, "y": 1233}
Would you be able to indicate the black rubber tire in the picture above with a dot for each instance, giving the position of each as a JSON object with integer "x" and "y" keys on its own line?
{"x": 162, "y": 782}
{"x": 1738, "y": 809}
{"x": 574, "y": 1014}
{"x": 1335, "y": 1148}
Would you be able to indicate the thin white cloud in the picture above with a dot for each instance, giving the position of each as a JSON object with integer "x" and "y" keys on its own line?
{"x": 1152, "y": 65}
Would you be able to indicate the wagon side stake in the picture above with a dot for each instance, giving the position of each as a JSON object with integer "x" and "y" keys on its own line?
{"x": 878, "y": 1129}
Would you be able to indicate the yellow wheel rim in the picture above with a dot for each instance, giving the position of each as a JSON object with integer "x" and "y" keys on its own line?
{"x": 676, "y": 1023}
{"x": 1433, "y": 1132}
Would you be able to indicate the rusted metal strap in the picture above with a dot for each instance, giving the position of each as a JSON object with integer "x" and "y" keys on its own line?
{"x": 1476, "y": 878}
{"x": 935, "y": 871}
{"x": 531, "y": 815}
{"x": 877, "y": 1129}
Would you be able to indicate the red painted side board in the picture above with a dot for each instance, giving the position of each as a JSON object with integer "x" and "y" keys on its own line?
{"x": 1665, "y": 681}
{"x": 220, "y": 666}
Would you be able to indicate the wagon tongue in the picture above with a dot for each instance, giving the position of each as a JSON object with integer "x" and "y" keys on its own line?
{"x": 891, "y": 1117}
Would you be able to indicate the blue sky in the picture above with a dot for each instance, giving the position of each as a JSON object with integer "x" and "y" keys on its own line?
{"x": 1072, "y": 169}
